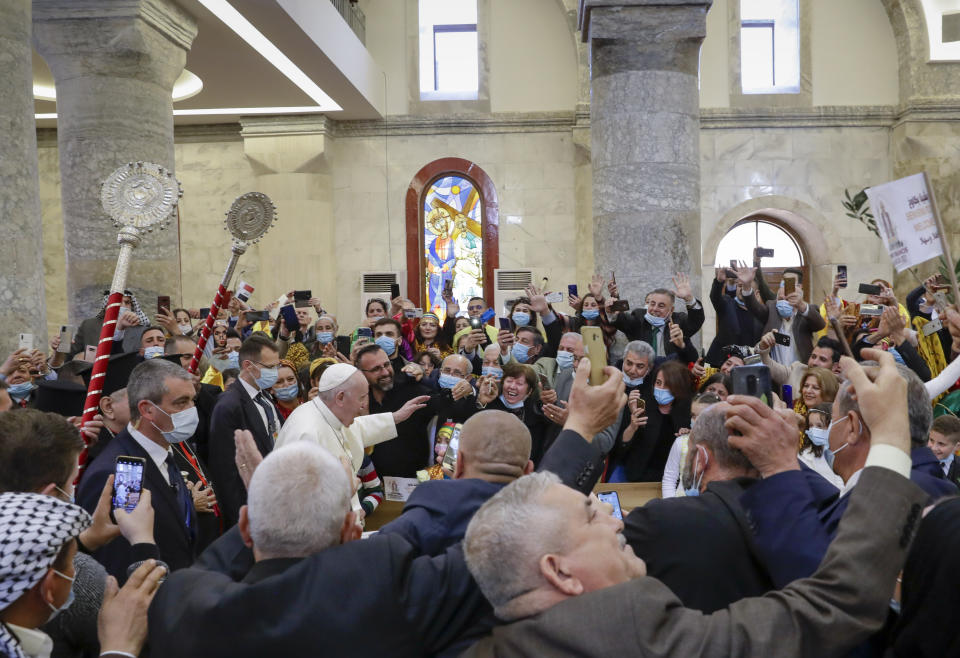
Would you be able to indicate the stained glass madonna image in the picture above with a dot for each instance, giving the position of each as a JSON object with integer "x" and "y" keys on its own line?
{"x": 452, "y": 242}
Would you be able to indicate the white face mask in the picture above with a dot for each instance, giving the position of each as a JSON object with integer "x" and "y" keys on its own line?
{"x": 184, "y": 424}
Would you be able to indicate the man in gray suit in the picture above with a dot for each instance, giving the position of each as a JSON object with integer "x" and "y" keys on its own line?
{"x": 555, "y": 566}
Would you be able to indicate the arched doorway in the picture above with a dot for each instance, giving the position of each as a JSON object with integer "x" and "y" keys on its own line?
{"x": 770, "y": 233}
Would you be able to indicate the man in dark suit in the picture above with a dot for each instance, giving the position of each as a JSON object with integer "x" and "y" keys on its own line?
{"x": 131, "y": 323}
{"x": 552, "y": 564}
{"x": 792, "y": 525}
{"x": 161, "y": 412}
{"x": 735, "y": 324}
{"x": 180, "y": 349}
{"x": 652, "y": 323}
{"x": 244, "y": 405}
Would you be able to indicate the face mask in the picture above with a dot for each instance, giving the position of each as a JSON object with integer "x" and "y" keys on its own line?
{"x": 184, "y": 424}
{"x": 448, "y": 381}
{"x": 511, "y": 405}
{"x": 896, "y": 356}
{"x": 325, "y": 337}
{"x": 662, "y": 396}
{"x": 829, "y": 454}
{"x": 71, "y": 498}
{"x": 388, "y": 344}
{"x": 152, "y": 352}
{"x": 655, "y": 320}
{"x": 268, "y": 377}
{"x": 591, "y": 314}
{"x": 564, "y": 359}
{"x": 731, "y": 287}
{"x": 521, "y": 352}
{"x": 490, "y": 370}
{"x": 632, "y": 382}
{"x": 185, "y": 328}
{"x": 67, "y": 603}
{"x": 521, "y": 319}
{"x": 233, "y": 360}
{"x": 819, "y": 436}
{"x": 287, "y": 392}
{"x": 695, "y": 489}
{"x": 20, "y": 390}
{"x": 784, "y": 309}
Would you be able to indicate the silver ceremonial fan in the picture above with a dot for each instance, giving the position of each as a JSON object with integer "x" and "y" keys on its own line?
{"x": 250, "y": 216}
{"x": 140, "y": 195}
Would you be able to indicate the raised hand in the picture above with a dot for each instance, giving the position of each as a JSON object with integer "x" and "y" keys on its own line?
{"x": 596, "y": 286}
{"x": 538, "y": 301}
{"x": 489, "y": 389}
{"x": 556, "y": 413}
{"x": 676, "y": 335}
{"x": 682, "y": 288}
{"x": 746, "y": 276}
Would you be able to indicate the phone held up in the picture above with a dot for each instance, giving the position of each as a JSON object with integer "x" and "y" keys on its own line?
{"x": 753, "y": 380}
{"x": 611, "y": 498}
{"x": 127, "y": 482}
{"x": 841, "y": 276}
{"x": 163, "y": 304}
{"x": 596, "y": 351}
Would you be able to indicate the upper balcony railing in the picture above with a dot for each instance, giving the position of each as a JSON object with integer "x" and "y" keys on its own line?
{"x": 354, "y": 17}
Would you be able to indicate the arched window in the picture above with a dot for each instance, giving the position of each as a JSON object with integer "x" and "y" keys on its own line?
{"x": 761, "y": 231}
{"x": 452, "y": 234}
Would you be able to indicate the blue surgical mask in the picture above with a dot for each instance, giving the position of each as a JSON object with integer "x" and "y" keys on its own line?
{"x": 656, "y": 321}
{"x": 448, "y": 381}
{"x": 233, "y": 360}
{"x": 564, "y": 359}
{"x": 731, "y": 287}
{"x": 591, "y": 314}
{"x": 325, "y": 337}
{"x": 268, "y": 377}
{"x": 663, "y": 396}
{"x": 67, "y": 603}
{"x": 829, "y": 454}
{"x": 695, "y": 489}
{"x": 490, "y": 370}
{"x": 896, "y": 356}
{"x": 511, "y": 405}
{"x": 389, "y": 345}
{"x": 784, "y": 309}
{"x": 632, "y": 382}
{"x": 184, "y": 424}
{"x": 152, "y": 352}
{"x": 287, "y": 392}
{"x": 521, "y": 318}
{"x": 819, "y": 436}
{"x": 71, "y": 498}
{"x": 20, "y": 390}
{"x": 521, "y": 352}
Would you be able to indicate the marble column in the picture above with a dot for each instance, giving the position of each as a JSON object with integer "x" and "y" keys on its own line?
{"x": 22, "y": 305}
{"x": 644, "y": 129}
{"x": 114, "y": 64}
{"x": 290, "y": 159}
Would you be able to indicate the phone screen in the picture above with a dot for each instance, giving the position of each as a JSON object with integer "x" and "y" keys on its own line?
{"x": 364, "y": 332}
{"x": 613, "y": 499}
{"x": 204, "y": 312}
{"x": 127, "y": 482}
{"x": 163, "y": 304}
{"x": 842, "y": 276}
{"x": 290, "y": 317}
{"x": 572, "y": 290}
{"x": 504, "y": 324}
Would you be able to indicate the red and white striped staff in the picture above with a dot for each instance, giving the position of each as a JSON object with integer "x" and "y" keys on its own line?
{"x": 249, "y": 217}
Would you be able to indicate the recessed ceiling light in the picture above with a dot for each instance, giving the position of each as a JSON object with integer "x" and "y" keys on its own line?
{"x": 186, "y": 86}
{"x": 246, "y": 31}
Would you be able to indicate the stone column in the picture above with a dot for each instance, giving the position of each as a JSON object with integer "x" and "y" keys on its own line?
{"x": 114, "y": 64}
{"x": 645, "y": 138}
{"x": 290, "y": 158}
{"x": 22, "y": 305}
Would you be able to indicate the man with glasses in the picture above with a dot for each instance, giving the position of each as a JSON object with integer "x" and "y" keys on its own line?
{"x": 469, "y": 340}
{"x": 244, "y": 405}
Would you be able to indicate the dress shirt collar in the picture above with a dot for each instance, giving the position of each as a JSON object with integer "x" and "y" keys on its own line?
{"x": 157, "y": 452}
{"x": 251, "y": 390}
{"x": 945, "y": 463}
{"x": 851, "y": 483}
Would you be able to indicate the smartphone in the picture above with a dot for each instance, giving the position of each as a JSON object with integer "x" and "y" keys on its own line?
{"x": 257, "y": 316}
{"x": 753, "y": 360}
{"x": 730, "y": 273}
{"x": 613, "y": 277}
{"x": 412, "y": 313}
{"x": 572, "y": 290}
{"x": 90, "y": 353}
{"x": 869, "y": 289}
{"x": 26, "y": 342}
{"x": 842, "y": 276}
{"x": 641, "y": 404}
{"x": 476, "y": 323}
{"x": 504, "y": 324}
{"x": 760, "y": 252}
{"x": 163, "y": 304}
{"x": 932, "y": 327}
{"x": 447, "y": 287}
{"x": 204, "y": 312}
{"x": 788, "y": 395}
{"x": 754, "y": 381}
{"x": 554, "y": 297}
{"x": 488, "y": 315}
{"x": 733, "y": 264}
{"x": 620, "y": 306}
{"x": 364, "y": 332}
{"x": 613, "y": 499}
{"x": 289, "y": 314}
{"x": 596, "y": 350}
{"x": 127, "y": 482}
{"x": 453, "y": 447}
{"x": 781, "y": 339}
{"x": 789, "y": 285}
{"x": 301, "y": 298}
{"x": 66, "y": 337}
{"x": 871, "y": 310}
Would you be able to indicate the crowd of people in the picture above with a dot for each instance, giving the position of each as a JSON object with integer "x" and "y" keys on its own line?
{"x": 222, "y": 512}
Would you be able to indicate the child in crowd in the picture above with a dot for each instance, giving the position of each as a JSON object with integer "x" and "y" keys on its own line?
{"x": 814, "y": 442}
{"x": 673, "y": 472}
{"x": 944, "y": 437}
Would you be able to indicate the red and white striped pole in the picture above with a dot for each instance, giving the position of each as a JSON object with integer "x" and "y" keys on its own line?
{"x": 238, "y": 249}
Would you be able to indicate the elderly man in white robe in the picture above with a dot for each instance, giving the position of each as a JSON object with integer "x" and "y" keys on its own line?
{"x": 336, "y": 419}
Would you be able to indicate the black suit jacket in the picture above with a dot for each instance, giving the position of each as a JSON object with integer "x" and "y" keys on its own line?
{"x": 735, "y": 325}
{"x": 206, "y": 401}
{"x": 169, "y": 527}
{"x": 234, "y": 410}
{"x": 634, "y": 325}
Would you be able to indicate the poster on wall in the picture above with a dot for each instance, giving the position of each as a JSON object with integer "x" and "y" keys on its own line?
{"x": 905, "y": 214}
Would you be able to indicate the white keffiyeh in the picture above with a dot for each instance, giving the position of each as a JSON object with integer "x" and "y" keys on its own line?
{"x": 33, "y": 529}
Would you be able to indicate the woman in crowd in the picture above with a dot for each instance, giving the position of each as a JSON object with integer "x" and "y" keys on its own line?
{"x": 719, "y": 384}
{"x": 517, "y": 394}
{"x": 428, "y": 361}
{"x": 673, "y": 471}
{"x": 184, "y": 322}
{"x": 429, "y": 337}
{"x": 818, "y": 386}
{"x": 814, "y": 441}
{"x": 375, "y": 309}
{"x": 461, "y": 323}
{"x": 287, "y": 389}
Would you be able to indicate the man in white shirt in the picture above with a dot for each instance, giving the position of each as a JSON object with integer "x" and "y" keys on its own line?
{"x": 336, "y": 419}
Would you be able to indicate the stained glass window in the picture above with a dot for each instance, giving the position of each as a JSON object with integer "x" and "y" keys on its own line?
{"x": 452, "y": 242}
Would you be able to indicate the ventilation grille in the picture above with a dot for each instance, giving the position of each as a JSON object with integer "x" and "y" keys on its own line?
{"x": 378, "y": 282}
{"x": 513, "y": 279}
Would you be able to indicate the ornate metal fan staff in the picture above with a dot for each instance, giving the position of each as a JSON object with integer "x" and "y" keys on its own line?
{"x": 249, "y": 217}
{"x": 138, "y": 196}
